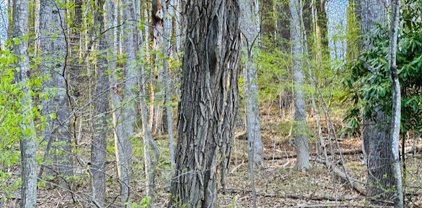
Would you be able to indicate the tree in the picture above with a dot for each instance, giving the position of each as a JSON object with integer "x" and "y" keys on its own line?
{"x": 53, "y": 50}
{"x": 395, "y": 121}
{"x": 250, "y": 29}
{"x": 375, "y": 129}
{"x": 28, "y": 145}
{"x": 208, "y": 100}
{"x": 149, "y": 143}
{"x": 250, "y": 26}
{"x": 300, "y": 137}
{"x": 100, "y": 117}
{"x": 167, "y": 79}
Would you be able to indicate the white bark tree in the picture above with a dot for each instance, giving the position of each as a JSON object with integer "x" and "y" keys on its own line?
{"x": 300, "y": 137}
{"x": 151, "y": 152}
{"x": 395, "y": 123}
{"x": 250, "y": 26}
{"x": 116, "y": 95}
{"x": 167, "y": 79}
{"x": 28, "y": 145}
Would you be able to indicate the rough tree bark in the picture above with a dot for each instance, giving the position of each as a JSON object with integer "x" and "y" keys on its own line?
{"x": 101, "y": 106}
{"x": 208, "y": 100}
{"x": 53, "y": 50}
{"x": 300, "y": 137}
{"x": 395, "y": 85}
{"x": 28, "y": 145}
{"x": 375, "y": 129}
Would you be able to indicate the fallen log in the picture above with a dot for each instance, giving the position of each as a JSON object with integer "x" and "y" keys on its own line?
{"x": 343, "y": 152}
{"x": 409, "y": 150}
{"x": 290, "y": 196}
{"x": 355, "y": 184}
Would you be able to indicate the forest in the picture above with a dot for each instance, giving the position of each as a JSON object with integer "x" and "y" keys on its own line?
{"x": 210, "y": 103}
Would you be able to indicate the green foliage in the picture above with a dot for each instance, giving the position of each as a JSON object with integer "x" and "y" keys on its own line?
{"x": 369, "y": 83}
{"x": 144, "y": 203}
{"x": 10, "y": 119}
{"x": 273, "y": 71}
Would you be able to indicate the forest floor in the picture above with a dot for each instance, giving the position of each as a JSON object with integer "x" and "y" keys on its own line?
{"x": 278, "y": 183}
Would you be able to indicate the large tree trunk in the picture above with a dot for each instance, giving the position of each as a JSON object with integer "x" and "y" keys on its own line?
{"x": 395, "y": 124}
{"x": 53, "y": 50}
{"x": 99, "y": 143}
{"x": 28, "y": 145}
{"x": 375, "y": 129}
{"x": 300, "y": 137}
{"x": 208, "y": 101}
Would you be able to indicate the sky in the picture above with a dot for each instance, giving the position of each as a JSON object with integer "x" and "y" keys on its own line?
{"x": 3, "y": 20}
{"x": 337, "y": 25}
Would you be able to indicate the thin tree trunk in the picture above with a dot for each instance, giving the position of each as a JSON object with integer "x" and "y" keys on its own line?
{"x": 313, "y": 78}
{"x": 168, "y": 86}
{"x": 99, "y": 143}
{"x": 28, "y": 145}
{"x": 53, "y": 50}
{"x": 250, "y": 27}
{"x": 150, "y": 164}
{"x": 116, "y": 94}
{"x": 151, "y": 160}
{"x": 128, "y": 113}
{"x": 395, "y": 124}
{"x": 75, "y": 46}
{"x": 208, "y": 102}
{"x": 300, "y": 137}
{"x": 157, "y": 93}
{"x": 75, "y": 67}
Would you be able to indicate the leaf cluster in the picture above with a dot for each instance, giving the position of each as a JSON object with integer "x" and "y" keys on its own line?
{"x": 369, "y": 83}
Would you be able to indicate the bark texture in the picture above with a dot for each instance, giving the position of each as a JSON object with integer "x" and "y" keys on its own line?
{"x": 300, "y": 135}
{"x": 53, "y": 50}
{"x": 208, "y": 100}
{"x": 28, "y": 142}
{"x": 250, "y": 26}
{"x": 99, "y": 140}
{"x": 395, "y": 85}
{"x": 375, "y": 129}
{"x": 167, "y": 79}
